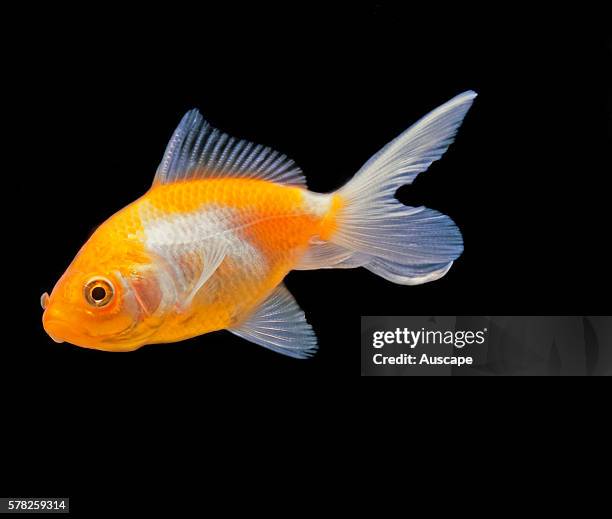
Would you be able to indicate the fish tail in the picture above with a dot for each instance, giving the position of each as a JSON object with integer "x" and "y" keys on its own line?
{"x": 405, "y": 245}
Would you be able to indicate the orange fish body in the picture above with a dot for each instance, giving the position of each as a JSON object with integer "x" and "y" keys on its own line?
{"x": 273, "y": 225}
{"x": 207, "y": 247}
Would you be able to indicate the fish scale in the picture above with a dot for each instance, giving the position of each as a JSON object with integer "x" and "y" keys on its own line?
{"x": 267, "y": 224}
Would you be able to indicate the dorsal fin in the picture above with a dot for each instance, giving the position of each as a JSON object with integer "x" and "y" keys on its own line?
{"x": 197, "y": 150}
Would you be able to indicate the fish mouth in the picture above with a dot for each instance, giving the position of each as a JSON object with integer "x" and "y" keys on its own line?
{"x": 52, "y": 326}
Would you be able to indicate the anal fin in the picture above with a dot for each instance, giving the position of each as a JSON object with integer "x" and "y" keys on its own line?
{"x": 279, "y": 324}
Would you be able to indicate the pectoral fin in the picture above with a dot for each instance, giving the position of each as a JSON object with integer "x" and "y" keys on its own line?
{"x": 279, "y": 325}
{"x": 211, "y": 258}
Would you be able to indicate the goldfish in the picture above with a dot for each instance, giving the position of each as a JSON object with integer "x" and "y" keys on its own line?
{"x": 207, "y": 247}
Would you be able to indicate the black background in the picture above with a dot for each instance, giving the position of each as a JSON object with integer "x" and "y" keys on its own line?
{"x": 98, "y": 95}
{"x": 525, "y": 180}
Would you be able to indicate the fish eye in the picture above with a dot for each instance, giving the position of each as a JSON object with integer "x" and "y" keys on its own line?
{"x": 99, "y": 292}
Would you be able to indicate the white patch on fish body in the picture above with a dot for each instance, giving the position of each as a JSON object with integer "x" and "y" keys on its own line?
{"x": 317, "y": 204}
{"x": 182, "y": 239}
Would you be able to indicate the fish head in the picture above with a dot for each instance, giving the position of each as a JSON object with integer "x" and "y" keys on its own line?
{"x": 105, "y": 301}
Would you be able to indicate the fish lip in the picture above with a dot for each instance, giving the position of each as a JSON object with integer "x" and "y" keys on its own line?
{"x": 55, "y": 339}
{"x": 44, "y": 300}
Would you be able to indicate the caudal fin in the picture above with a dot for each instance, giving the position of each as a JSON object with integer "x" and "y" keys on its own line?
{"x": 406, "y": 245}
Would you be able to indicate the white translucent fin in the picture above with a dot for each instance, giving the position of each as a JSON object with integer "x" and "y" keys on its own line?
{"x": 190, "y": 262}
{"x": 323, "y": 255}
{"x": 352, "y": 262}
{"x": 412, "y": 152}
{"x": 328, "y": 255}
{"x": 279, "y": 325}
{"x": 197, "y": 150}
{"x": 211, "y": 258}
{"x": 407, "y": 274}
{"x": 407, "y": 245}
